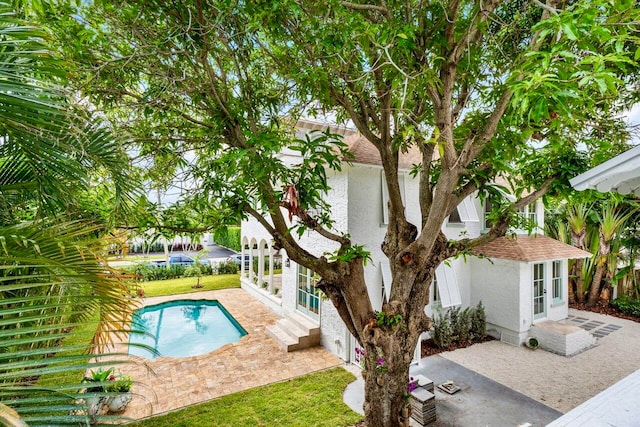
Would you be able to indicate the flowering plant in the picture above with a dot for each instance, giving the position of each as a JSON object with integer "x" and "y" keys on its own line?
{"x": 380, "y": 366}
{"x": 411, "y": 386}
{"x": 360, "y": 352}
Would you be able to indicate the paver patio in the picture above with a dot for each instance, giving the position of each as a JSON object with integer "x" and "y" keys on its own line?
{"x": 255, "y": 360}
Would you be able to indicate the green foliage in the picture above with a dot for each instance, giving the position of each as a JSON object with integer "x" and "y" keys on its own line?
{"x": 457, "y": 326}
{"x": 384, "y": 319}
{"x": 121, "y": 384}
{"x": 478, "y": 328}
{"x": 226, "y": 268}
{"x": 311, "y": 400}
{"x": 229, "y": 237}
{"x": 351, "y": 252}
{"x": 627, "y": 305}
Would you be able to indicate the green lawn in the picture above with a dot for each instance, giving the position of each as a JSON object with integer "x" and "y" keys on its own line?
{"x": 312, "y": 400}
{"x": 184, "y": 285}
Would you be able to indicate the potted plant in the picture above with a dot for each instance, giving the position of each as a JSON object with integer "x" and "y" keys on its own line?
{"x": 97, "y": 383}
{"x": 122, "y": 386}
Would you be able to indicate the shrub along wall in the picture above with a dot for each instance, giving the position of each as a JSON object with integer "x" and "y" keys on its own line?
{"x": 456, "y": 326}
{"x": 228, "y": 237}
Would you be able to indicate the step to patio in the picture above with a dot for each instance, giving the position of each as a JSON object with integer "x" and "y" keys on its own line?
{"x": 562, "y": 338}
{"x": 294, "y": 332}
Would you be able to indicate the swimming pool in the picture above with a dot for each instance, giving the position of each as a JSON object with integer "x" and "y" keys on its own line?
{"x": 183, "y": 328}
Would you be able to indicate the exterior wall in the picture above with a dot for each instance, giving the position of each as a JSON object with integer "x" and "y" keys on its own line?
{"x": 356, "y": 197}
{"x": 498, "y": 286}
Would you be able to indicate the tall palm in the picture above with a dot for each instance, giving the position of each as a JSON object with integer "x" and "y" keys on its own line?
{"x": 577, "y": 219}
{"x": 52, "y": 271}
{"x": 612, "y": 218}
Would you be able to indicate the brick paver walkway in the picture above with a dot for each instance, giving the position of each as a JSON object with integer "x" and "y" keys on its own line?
{"x": 168, "y": 383}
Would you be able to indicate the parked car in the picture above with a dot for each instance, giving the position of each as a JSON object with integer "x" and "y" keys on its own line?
{"x": 237, "y": 258}
{"x": 178, "y": 259}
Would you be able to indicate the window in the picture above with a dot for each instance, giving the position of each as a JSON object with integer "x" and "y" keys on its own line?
{"x": 385, "y": 196}
{"x": 454, "y": 218}
{"x": 556, "y": 281}
{"x": 447, "y": 286}
{"x": 436, "y": 294}
{"x": 386, "y": 281}
{"x": 487, "y": 210}
{"x": 529, "y": 213}
{"x": 465, "y": 212}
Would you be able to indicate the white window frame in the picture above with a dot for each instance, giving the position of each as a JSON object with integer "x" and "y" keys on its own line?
{"x": 556, "y": 282}
{"x": 385, "y": 195}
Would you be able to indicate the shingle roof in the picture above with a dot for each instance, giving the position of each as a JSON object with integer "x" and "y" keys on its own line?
{"x": 364, "y": 152}
{"x": 529, "y": 249}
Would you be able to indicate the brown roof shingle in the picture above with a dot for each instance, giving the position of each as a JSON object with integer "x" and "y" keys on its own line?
{"x": 529, "y": 249}
{"x": 364, "y": 152}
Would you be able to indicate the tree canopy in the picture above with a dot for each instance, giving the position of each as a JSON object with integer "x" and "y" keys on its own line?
{"x": 480, "y": 89}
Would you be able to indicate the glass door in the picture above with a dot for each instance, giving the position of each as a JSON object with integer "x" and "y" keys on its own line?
{"x": 308, "y": 301}
{"x": 539, "y": 292}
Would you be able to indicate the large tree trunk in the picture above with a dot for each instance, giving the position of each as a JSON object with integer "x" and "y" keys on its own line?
{"x": 386, "y": 379}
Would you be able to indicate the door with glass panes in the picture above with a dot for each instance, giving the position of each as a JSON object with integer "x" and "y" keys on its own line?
{"x": 308, "y": 301}
{"x": 539, "y": 292}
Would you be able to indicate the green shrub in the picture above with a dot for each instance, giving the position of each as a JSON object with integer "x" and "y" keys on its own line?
{"x": 442, "y": 332}
{"x": 456, "y": 326}
{"x": 228, "y": 237}
{"x": 229, "y": 267}
{"x": 627, "y": 305}
{"x": 478, "y": 328}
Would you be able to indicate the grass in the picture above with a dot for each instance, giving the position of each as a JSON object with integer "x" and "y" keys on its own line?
{"x": 311, "y": 400}
{"x": 81, "y": 336}
{"x": 184, "y": 285}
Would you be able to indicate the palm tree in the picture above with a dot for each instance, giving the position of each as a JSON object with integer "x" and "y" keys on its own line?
{"x": 577, "y": 219}
{"x": 612, "y": 219}
{"x": 52, "y": 270}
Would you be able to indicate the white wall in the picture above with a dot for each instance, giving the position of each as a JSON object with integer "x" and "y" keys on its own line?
{"x": 497, "y": 285}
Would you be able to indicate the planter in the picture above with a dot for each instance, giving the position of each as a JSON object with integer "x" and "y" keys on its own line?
{"x": 95, "y": 404}
{"x": 119, "y": 403}
{"x": 380, "y": 381}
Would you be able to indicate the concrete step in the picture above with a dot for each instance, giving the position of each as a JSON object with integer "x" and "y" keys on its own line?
{"x": 310, "y": 326}
{"x": 284, "y": 340}
{"x": 295, "y": 332}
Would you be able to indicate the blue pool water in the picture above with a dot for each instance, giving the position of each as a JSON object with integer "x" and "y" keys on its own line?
{"x": 183, "y": 328}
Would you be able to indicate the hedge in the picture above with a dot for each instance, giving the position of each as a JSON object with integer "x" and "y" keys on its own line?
{"x": 228, "y": 237}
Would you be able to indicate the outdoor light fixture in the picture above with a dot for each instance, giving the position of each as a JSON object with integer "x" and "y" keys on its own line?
{"x": 287, "y": 263}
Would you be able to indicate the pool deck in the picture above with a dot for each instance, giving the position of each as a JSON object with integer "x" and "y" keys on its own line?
{"x": 166, "y": 383}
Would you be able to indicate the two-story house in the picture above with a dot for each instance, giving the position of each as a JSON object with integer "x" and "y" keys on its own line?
{"x": 521, "y": 281}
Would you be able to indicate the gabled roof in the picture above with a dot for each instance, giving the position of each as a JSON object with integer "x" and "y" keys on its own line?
{"x": 620, "y": 174}
{"x": 529, "y": 249}
{"x": 362, "y": 150}
{"x": 365, "y": 153}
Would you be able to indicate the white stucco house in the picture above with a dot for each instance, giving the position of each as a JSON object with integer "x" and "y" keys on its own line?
{"x": 521, "y": 281}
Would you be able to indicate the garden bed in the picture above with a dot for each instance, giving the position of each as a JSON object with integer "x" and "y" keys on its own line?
{"x": 429, "y": 348}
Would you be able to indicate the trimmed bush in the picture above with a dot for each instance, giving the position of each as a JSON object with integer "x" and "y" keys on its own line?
{"x": 478, "y": 328}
